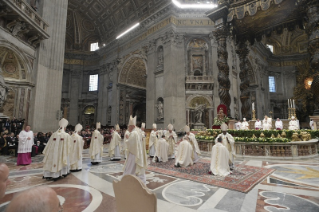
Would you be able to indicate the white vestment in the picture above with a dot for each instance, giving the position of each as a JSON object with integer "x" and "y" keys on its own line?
{"x": 162, "y": 150}
{"x": 238, "y": 125}
{"x": 152, "y": 143}
{"x": 267, "y": 123}
{"x": 25, "y": 145}
{"x": 124, "y": 147}
{"x": 279, "y": 125}
{"x": 229, "y": 142}
{"x": 171, "y": 141}
{"x": 219, "y": 161}
{"x": 76, "y": 143}
{"x": 114, "y": 148}
{"x": 56, "y": 160}
{"x": 312, "y": 125}
{"x": 96, "y": 147}
{"x": 244, "y": 125}
{"x": 194, "y": 144}
{"x": 135, "y": 164}
{"x": 184, "y": 154}
{"x": 293, "y": 125}
{"x": 258, "y": 125}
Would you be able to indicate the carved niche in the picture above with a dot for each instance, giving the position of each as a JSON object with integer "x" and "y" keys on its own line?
{"x": 197, "y": 52}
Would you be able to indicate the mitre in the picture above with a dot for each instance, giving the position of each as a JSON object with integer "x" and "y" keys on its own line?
{"x": 143, "y": 125}
{"x": 154, "y": 126}
{"x": 78, "y": 128}
{"x": 132, "y": 121}
{"x": 186, "y": 128}
{"x": 63, "y": 123}
{"x": 98, "y": 125}
{"x": 117, "y": 127}
{"x": 170, "y": 127}
{"x": 224, "y": 127}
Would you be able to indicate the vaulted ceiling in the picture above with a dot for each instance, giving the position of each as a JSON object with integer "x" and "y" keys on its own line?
{"x": 108, "y": 17}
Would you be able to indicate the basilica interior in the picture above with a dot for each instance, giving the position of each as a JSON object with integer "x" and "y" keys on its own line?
{"x": 165, "y": 62}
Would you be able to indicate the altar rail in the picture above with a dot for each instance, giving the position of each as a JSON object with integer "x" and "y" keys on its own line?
{"x": 287, "y": 151}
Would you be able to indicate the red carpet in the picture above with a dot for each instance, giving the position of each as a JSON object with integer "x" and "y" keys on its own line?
{"x": 243, "y": 178}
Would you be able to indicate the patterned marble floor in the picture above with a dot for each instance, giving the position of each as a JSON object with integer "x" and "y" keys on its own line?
{"x": 293, "y": 187}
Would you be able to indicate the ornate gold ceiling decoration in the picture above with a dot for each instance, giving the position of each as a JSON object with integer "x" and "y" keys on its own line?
{"x": 133, "y": 73}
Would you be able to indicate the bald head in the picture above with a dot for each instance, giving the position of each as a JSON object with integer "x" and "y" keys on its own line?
{"x": 38, "y": 199}
{"x": 4, "y": 179}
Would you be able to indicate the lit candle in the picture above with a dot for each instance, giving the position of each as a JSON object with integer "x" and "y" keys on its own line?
{"x": 294, "y": 103}
{"x": 288, "y": 103}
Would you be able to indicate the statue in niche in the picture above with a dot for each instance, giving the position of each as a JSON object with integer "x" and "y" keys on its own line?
{"x": 160, "y": 56}
{"x": 3, "y": 90}
{"x": 199, "y": 112}
{"x": 221, "y": 116}
{"x": 160, "y": 108}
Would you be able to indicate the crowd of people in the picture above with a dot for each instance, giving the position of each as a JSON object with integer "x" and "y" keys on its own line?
{"x": 266, "y": 124}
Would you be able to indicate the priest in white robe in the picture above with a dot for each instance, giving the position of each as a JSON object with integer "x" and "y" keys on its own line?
{"x": 229, "y": 142}
{"x": 153, "y": 141}
{"x": 194, "y": 144}
{"x": 219, "y": 161}
{"x": 77, "y": 143}
{"x": 96, "y": 146}
{"x": 267, "y": 123}
{"x": 185, "y": 153}
{"x": 143, "y": 137}
{"x": 134, "y": 164}
{"x": 238, "y": 125}
{"x": 244, "y": 125}
{"x": 278, "y": 124}
{"x": 25, "y": 146}
{"x": 293, "y": 124}
{"x": 124, "y": 147}
{"x": 56, "y": 162}
{"x": 114, "y": 148}
{"x": 161, "y": 154}
{"x": 171, "y": 138}
{"x": 312, "y": 125}
{"x": 258, "y": 125}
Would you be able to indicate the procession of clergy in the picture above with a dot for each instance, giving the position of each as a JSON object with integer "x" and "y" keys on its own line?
{"x": 63, "y": 153}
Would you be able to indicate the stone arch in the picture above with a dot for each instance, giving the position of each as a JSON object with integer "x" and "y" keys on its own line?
{"x": 133, "y": 72}
{"x": 14, "y": 63}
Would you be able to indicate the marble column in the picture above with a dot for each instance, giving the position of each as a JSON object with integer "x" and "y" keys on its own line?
{"x": 174, "y": 80}
{"x": 221, "y": 32}
{"x": 102, "y": 95}
{"x": 242, "y": 52}
{"x": 150, "y": 88}
{"x": 312, "y": 29}
{"x": 105, "y": 97}
{"x": 48, "y": 68}
{"x": 74, "y": 97}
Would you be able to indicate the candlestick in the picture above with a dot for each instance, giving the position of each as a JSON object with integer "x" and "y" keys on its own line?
{"x": 294, "y": 104}
{"x": 254, "y": 116}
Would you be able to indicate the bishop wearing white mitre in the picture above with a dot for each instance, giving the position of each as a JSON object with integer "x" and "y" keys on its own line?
{"x": 153, "y": 141}
{"x": 56, "y": 153}
{"x": 194, "y": 144}
{"x": 96, "y": 146}
{"x": 161, "y": 154}
{"x": 312, "y": 125}
{"x": 229, "y": 142}
{"x": 258, "y": 125}
{"x": 114, "y": 148}
{"x": 267, "y": 123}
{"x": 77, "y": 143}
{"x": 278, "y": 124}
{"x": 244, "y": 125}
{"x": 171, "y": 138}
{"x": 293, "y": 124}
{"x": 219, "y": 162}
{"x": 134, "y": 164}
{"x": 143, "y": 137}
{"x": 185, "y": 153}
